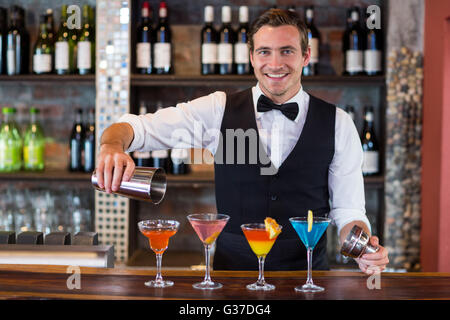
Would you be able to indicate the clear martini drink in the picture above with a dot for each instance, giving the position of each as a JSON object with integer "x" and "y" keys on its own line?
{"x": 208, "y": 227}
{"x": 309, "y": 232}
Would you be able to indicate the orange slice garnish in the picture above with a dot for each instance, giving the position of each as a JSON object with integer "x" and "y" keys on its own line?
{"x": 272, "y": 227}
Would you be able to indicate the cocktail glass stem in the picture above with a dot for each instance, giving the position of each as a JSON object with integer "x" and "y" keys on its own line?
{"x": 207, "y": 272}
{"x": 309, "y": 258}
{"x": 261, "y": 280}
{"x": 159, "y": 278}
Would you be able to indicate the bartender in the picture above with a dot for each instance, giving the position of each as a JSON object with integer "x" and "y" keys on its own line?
{"x": 313, "y": 152}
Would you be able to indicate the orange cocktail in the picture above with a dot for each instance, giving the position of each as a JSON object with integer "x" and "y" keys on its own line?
{"x": 259, "y": 240}
{"x": 158, "y": 233}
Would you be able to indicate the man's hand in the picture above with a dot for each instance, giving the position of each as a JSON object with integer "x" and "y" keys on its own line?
{"x": 113, "y": 164}
{"x": 371, "y": 263}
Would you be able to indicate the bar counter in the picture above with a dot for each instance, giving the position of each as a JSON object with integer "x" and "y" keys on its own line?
{"x": 51, "y": 282}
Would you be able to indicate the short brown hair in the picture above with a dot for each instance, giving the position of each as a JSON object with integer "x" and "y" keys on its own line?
{"x": 277, "y": 18}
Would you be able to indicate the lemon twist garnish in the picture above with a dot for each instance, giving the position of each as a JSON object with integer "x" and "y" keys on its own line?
{"x": 272, "y": 227}
{"x": 310, "y": 220}
{"x": 212, "y": 238}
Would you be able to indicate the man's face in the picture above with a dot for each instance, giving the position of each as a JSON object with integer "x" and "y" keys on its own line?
{"x": 278, "y": 61}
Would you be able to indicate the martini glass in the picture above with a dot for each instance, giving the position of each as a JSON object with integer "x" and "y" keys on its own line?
{"x": 208, "y": 227}
{"x": 260, "y": 242}
{"x": 310, "y": 240}
{"x": 158, "y": 233}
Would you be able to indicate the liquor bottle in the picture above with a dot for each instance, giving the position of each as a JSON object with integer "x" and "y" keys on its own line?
{"x": 85, "y": 45}
{"x": 226, "y": 42}
{"x": 312, "y": 68}
{"x": 209, "y": 38}
{"x": 179, "y": 159}
{"x": 43, "y": 50}
{"x": 162, "y": 51}
{"x": 88, "y": 151}
{"x": 17, "y": 48}
{"x": 10, "y": 142}
{"x": 353, "y": 44}
{"x": 3, "y": 36}
{"x": 145, "y": 39}
{"x": 369, "y": 144}
{"x": 241, "y": 54}
{"x": 351, "y": 111}
{"x": 50, "y": 25}
{"x": 64, "y": 46}
{"x": 34, "y": 144}
{"x": 142, "y": 159}
{"x": 76, "y": 143}
{"x": 373, "y": 52}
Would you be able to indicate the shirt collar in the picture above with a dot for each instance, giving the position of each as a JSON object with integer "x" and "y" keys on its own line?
{"x": 301, "y": 98}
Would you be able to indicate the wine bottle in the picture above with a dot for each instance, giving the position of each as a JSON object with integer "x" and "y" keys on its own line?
{"x": 64, "y": 46}
{"x": 145, "y": 39}
{"x": 76, "y": 143}
{"x": 226, "y": 42}
{"x": 209, "y": 38}
{"x": 369, "y": 144}
{"x": 50, "y": 25}
{"x": 142, "y": 158}
{"x": 34, "y": 144}
{"x": 162, "y": 51}
{"x": 17, "y": 47}
{"x": 3, "y": 36}
{"x": 353, "y": 44}
{"x": 179, "y": 159}
{"x": 241, "y": 53}
{"x": 85, "y": 45}
{"x": 89, "y": 143}
{"x": 312, "y": 68}
{"x": 43, "y": 50}
{"x": 373, "y": 52}
{"x": 10, "y": 142}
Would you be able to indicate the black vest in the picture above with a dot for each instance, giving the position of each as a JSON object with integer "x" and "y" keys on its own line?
{"x": 248, "y": 196}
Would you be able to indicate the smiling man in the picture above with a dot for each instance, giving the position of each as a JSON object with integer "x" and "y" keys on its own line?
{"x": 313, "y": 145}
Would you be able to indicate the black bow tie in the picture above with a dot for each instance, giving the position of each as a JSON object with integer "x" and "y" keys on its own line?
{"x": 290, "y": 110}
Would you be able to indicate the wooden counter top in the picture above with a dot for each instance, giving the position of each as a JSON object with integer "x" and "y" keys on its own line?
{"x": 50, "y": 282}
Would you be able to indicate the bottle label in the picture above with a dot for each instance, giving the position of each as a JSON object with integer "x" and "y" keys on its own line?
{"x": 372, "y": 60}
{"x": 225, "y": 53}
{"x": 141, "y": 155}
{"x": 162, "y": 51}
{"x": 9, "y": 155}
{"x": 143, "y": 55}
{"x": 370, "y": 162}
{"x": 11, "y": 61}
{"x": 42, "y": 63}
{"x": 84, "y": 55}
{"x": 179, "y": 156}
{"x": 354, "y": 61}
{"x": 314, "y": 45}
{"x": 160, "y": 154}
{"x": 209, "y": 53}
{"x": 241, "y": 54}
{"x": 61, "y": 55}
{"x": 33, "y": 155}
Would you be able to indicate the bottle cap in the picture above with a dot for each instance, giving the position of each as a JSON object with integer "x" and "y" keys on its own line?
{"x": 209, "y": 14}
{"x": 226, "y": 14}
{"x": 34, "y": 110}
{"x": 8, "y": 110}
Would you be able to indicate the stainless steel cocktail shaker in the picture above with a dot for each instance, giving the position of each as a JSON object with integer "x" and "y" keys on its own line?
{"x": 148, "y": 184}
{"x": 357, "y": 243}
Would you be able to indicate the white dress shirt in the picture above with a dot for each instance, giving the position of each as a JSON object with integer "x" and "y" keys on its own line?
{"x": 197, "y": 123}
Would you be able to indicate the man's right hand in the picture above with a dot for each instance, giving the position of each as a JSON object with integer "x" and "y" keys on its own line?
{"x": 113, "y": 166}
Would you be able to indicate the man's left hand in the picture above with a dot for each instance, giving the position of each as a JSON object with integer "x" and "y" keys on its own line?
{"x": 371, "y": 263}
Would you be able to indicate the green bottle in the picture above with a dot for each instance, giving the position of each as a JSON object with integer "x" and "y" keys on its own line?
{"x": 43, "y": 50}
{"x": 64, "y": 46}
{"x": 34, "y": 144}
{"x": 10, "y": 143}
{"x": 86, "y": 42}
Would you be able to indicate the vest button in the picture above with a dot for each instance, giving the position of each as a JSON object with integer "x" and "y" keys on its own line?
{"x": 273, "y": 197}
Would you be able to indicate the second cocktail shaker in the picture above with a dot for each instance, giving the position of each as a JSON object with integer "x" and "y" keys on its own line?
{"x": 148, "y": 184}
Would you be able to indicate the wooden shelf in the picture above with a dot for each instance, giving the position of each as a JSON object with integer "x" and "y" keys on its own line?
{"x": 57, "y": 175}
{"x": 49, "y": 78}
{"x": 245, "y": 80}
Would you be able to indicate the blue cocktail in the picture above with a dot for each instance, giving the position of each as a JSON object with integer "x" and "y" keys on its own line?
{"x": 309, "y": 233}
